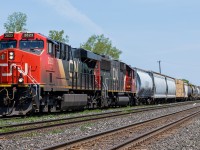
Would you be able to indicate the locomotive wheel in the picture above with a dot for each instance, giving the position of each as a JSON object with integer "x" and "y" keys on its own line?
{"x": 104, "y": 103}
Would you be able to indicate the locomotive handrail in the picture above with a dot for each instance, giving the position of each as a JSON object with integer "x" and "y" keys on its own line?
{"x": 30, "y": 77}
{"x": 34, "y": 81}
{"x": 105, "y": 88}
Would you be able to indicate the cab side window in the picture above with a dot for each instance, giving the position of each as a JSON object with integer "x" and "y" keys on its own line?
{"x": 63, "y": 52}
{"x": 60, "y": 50}
{"x": 69, "y": 54}
{"x": 50, "y": 48}
{"x": 58, "y": 53}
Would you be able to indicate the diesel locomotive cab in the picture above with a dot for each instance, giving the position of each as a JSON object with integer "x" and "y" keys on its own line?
{"x": 19, "y": 62}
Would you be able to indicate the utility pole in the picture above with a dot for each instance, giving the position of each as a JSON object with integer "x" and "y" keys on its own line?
{"x": 159, "y": 66}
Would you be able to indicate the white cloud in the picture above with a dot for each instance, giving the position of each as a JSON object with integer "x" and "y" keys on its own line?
{"x": 65, "y": 8}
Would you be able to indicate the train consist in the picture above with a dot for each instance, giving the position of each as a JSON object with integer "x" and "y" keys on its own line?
{"x": 38, "y": 74}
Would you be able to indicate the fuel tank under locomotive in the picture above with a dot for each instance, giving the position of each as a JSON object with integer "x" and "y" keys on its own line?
{"x": 73, "y": 101}
{"x": 123, "y": 100}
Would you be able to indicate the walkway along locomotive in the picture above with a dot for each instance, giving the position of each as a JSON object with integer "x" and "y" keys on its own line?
{"x": 38, "y": 74}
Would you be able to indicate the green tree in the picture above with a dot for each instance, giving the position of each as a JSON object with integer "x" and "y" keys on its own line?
{"x": 16, "y": 22}
{"x": 58, "y": 36}
{"x": 186, "y": 81}
{"x": 101, "y": 45}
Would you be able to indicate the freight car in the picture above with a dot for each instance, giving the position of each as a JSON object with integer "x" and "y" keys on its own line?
{"x": 186, "y": 89}
{"x": 180, "y": 90}
{"x": 153, "y": 87}
{"x": 144, "y": 86}
{"x": 38, "y": 74}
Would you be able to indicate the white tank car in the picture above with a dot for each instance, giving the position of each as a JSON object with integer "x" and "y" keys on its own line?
{"x": 160, "y": 86}
{"x": 144, "y": 83}
{"x": 186, "y": 88}
{"x": 171, "y": 88}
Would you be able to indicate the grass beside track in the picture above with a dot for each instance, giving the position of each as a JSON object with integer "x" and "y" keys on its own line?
{"x": 62, "y": 115}
{"x": 30, "y": 119}
{"x": 11, "y": 129}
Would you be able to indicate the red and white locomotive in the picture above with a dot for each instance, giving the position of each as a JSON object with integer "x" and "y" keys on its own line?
{"x": 38, "y": 74}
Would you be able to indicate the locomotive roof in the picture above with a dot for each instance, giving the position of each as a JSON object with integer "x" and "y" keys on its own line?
{"x": 53, "y": 41}
{"x": 80, "y": 52}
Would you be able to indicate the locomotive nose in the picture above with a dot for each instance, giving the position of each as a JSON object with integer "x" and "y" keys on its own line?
{"x": 6, "y": 56}
{"x": 3, "y": 66}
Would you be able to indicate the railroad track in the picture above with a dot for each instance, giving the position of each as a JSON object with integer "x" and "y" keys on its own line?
{"x": 7, "y": 118}
{"x": 34, "y": 126}
{"x": 129, "y": 136}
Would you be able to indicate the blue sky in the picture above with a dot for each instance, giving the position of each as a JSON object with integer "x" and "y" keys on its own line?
{"x": 144, "y": 30}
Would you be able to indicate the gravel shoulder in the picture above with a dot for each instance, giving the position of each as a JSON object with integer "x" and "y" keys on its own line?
{"x": 186, "y": 137}
{"x": 46, "y": 138}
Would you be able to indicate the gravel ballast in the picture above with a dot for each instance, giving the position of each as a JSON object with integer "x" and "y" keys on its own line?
{"x": 185, "y": 138}
{"x": 47, "y": 138}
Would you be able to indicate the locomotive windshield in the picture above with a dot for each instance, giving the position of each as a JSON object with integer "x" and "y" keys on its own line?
{"x": 8, "y": 44}
{"x": 34, "y": 44}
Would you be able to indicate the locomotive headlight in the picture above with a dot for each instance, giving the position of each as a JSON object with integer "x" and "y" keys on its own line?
{"x": 21, "y": 80}
{"x": 11, "y": 55}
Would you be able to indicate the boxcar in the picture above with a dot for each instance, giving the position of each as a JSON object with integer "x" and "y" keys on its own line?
{"x": 180, "y": 90}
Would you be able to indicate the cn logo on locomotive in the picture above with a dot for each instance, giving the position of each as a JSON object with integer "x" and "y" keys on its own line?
{"x": 25, "y": 72}
{"x": 115, "y": 74}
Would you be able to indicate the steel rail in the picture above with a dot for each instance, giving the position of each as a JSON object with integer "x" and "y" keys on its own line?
{"x": 142, "y": 138}
{"x": 166, "y": 104}
{"x": 80, "y": 140}
{"x": 80, "y": 119}
{"x": 135, "y": 110}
